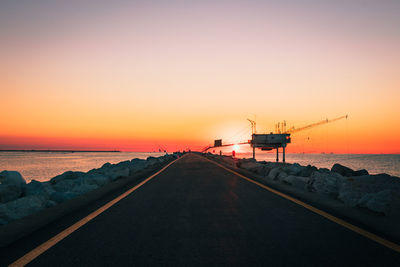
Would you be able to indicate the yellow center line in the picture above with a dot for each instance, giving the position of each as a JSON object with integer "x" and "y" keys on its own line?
{"x": 30, "y": 256}
{"x": 328, "y": 216}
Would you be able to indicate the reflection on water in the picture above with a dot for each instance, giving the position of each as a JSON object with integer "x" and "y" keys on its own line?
{"x": 42, "y": 166}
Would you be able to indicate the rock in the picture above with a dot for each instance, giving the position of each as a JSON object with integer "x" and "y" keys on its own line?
{"x": 377, "y": 202}
{"x": 37, "y": 188}
{"x": 51, "y": 203}
{"x": 345, "y": 171}
{"x": 59, "y": 197}
{"x": 308, "y": 171}
{"x": 273, "y": 174}
{"x": 32, "y": 188}
{"x": 106, "y": 165}
{"x": 252, "y": 166}
{"x": 282, "y": 175}
{"x": 3, "y": 214}
{"x": 296, "y": 181}
{"x": 326, "y": 183}
{"x": 137, "y": 165}
{"x": 363, "y": 191}
{"x": 11, "y": 178}
{"x": 25, "y": 206}
{"x": 151, "y": 161}
{"x": 97, "y": 179}
{"x": 65, "y": 185}
{"x": 69, "y": 175}
{"x": 9, "y": 193}
{"x": 324, "y": 170}
{"x": 84, "y": 188}
{"x": 115, "y": 173}
{"x": 11, "y": 183}
{"x": 229, "y": 160}
{"x": 123, "y": 164}
{"x": 360, "y": 172}
{"x": 293, "y": 169}
{"x": 342, "y": 170}
{"x": 349, "y": 198}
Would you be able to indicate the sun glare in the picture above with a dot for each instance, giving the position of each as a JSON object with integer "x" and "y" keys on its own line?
{"x": 236, "y": 147}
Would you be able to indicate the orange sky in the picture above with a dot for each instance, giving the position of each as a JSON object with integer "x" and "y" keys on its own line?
{"x": 133, "y": 76}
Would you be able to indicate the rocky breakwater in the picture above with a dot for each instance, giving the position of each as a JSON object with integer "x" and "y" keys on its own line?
{"x": 19, "y": 199}
{"x": 377, "y": 194}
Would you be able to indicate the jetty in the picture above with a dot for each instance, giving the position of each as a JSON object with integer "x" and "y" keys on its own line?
{"x": 196, "y": 212}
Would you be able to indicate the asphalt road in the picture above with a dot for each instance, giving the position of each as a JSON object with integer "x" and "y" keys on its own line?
{"x": 196, "y": 213}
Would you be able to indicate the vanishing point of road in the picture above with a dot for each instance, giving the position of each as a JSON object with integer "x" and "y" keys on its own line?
{"x": 195, "y": 213}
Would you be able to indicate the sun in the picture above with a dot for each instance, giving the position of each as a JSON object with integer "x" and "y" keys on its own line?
{"x": 236, "y": 147}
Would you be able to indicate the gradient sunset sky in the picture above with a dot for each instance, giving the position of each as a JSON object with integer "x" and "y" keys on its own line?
{"x": 132, "y": 75}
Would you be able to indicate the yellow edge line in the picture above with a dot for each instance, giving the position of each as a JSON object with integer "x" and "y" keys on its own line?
{"x": 30, "y": 256}
{"x": 330, "y": 217}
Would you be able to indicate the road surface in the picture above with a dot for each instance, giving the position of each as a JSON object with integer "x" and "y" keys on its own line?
{"x": 196, "y": 213}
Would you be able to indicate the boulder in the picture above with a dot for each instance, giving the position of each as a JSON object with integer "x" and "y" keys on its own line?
{"x": 137, "y": 165}
{"x": 326, "y": 183}
{"x": 252, "y": 166}
{"x": 9, "y": 193}
{"x": 296, "y": 181}
{"x": 307, "y": 171}
{"x": 116, "y": 173}
{"x": 273, "y": 174}
{"x": 360, "y": 172}
{"x": 25, "y": 206}
{"x": 293, "y": 169}
{"x": 151, "y": 161}
{"x": 370, "y": 191}
{"x": 324, "y": 170}
{"x": 378, "y": 202}
{"x": 349, "y": 198}
{"x": 342, "y": 170}
{"x": 11, "y": 183}
{"x": 11, "y": 178}
{"x": 106, "y": 165}
{"x": 69, "y": 175}
{"x": 345, "y": 171}
{"x": 84, "y": 188}
{"x": 59, "y": 197}
{"x": 65, "y": 185}
{"x": 3, "y": 214}
{"x": 282, "y": 175}
{"x": 229, "y": 160}
{"x": 97, "y": 179}
{"x": 38, "y": 188}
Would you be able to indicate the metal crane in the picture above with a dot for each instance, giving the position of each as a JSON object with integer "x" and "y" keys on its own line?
{"x": 292, "y": 129}
{"x": 270, "y": 141}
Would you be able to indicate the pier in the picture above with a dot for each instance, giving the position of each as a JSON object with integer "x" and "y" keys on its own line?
{"x": 195, "y": 213}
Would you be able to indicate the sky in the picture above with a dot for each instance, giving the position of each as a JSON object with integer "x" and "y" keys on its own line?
{"x": 140, "y": 75}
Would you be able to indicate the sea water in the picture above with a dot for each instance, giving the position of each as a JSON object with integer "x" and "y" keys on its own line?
{"x": 373, "y": 163}
{"x": 42, "y": 166}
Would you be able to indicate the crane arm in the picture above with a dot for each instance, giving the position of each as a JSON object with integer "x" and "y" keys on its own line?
{"x": 295, "y": 130}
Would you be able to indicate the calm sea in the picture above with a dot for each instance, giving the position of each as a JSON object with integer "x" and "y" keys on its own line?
{"x": 373, "y": 163}
{"x": 42, "y": 166}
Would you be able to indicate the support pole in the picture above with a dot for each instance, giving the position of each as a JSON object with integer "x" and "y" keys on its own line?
{"x": 254, "y": 152}
{"x": 283, "y": 155}
{"x": 277, "y": 154}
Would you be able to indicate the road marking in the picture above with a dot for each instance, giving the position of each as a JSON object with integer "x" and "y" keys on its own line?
{"x": 330, "y": 217}
{"x": 30, "y": 256}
